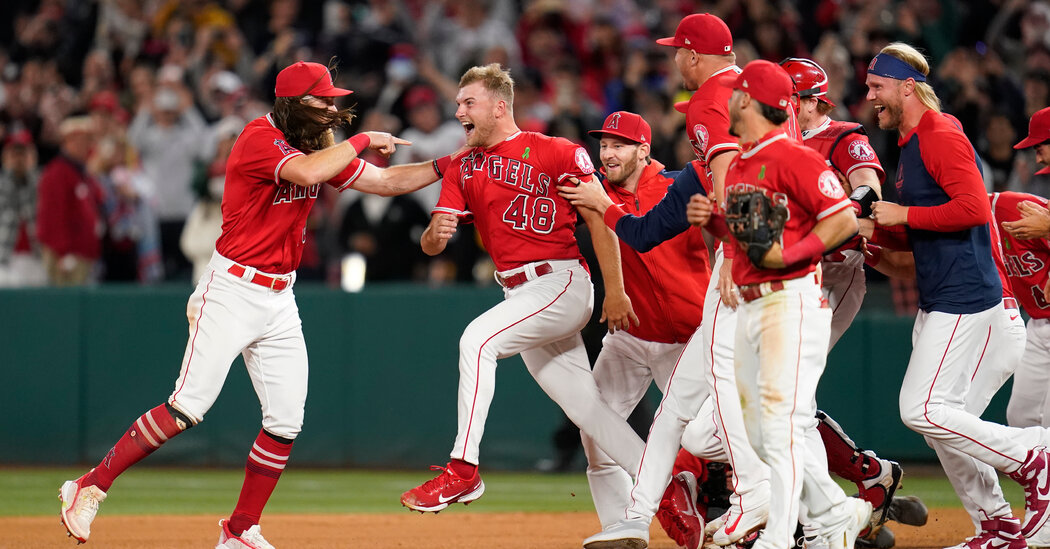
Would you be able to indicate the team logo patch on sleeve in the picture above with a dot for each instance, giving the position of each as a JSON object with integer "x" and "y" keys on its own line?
{"x": 861, "y": 150}
{"x": 829, "y": 186}
{"x": 583, "y": 161}
{"x": 284, "y": 146}
{"x": 701, "y": 136}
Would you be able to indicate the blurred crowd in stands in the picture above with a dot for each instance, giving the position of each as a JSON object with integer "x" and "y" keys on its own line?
{"x": 116, "y": 116}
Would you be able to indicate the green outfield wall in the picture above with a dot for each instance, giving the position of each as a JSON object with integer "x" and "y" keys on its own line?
{"x": 81, "y": 364}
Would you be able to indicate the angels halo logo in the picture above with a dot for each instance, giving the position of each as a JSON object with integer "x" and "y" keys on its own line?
{"x": 829, "y": 185}
{"x": 700, "y": 132}
{"x": 861, "y": 150}
{"x": 583, "y": 161}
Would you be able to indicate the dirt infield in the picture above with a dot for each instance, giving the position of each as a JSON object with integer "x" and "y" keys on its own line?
{"x": 461, "y": 530}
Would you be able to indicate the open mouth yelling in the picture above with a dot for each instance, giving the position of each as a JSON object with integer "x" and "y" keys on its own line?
{"x": 469, "y": 128}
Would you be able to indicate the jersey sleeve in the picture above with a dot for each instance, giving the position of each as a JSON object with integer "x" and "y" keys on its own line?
{"x": 571, "y": 160}
{"x": 818, "y": 190}
{"x": 950, "y": 160}
{"x": 710, "y": 133}
{"x": 346, "y": 178}
{"x": 855, "y": 152}
{"x": 265, "y": 153}
{"x": 453, "y": 198}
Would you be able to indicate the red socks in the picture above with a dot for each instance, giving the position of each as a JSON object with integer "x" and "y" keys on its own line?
{"x": 462, "y": 468}
{"x": 265, "y": 462}
{"x": 845, "y": 459}
{"x": 144, "y": 436}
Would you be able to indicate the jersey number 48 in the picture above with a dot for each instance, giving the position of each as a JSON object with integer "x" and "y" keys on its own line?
{"x": 539, "y": 216}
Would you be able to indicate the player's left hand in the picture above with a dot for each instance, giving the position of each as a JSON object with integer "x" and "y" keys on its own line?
{"x": 1034, "y": 222}
{"x": 618, "y": 312}
{"x": 699, "y": 209}
{"x": 726, "y": 288}
{"x": 889, "y": 214}
{"x": 384, "y": 143}
{"x": 586, "y": 194}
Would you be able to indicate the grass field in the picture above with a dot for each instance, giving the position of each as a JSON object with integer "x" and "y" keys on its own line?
{"x": 144, "y": 490}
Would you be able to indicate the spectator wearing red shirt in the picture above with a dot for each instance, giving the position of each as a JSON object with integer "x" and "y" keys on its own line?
{"x": 69, "y": 226}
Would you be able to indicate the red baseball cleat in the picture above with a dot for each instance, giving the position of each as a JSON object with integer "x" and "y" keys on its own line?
{"x": 448, "y": 487}
{"x": 1034, "y": 477}
{"x": 677, "y": 512}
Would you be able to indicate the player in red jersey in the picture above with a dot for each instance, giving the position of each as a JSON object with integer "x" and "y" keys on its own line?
{"x": 1034, "y": 221}
{"x": 244, "y": 304}
{"x": 778, "y": 364}
{"x": 506, "y": 184}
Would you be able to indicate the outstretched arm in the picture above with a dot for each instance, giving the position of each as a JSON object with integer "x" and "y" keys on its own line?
{"x": 322, "y": 165}
{"x": 617, "y": 309}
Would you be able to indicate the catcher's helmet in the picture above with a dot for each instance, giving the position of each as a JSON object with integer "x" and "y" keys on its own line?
{"x": 810, "y": 80}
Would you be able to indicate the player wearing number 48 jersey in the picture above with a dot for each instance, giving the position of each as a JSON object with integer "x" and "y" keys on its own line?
{"x": 244, "y": 305}
{"x": 506, "y": 184}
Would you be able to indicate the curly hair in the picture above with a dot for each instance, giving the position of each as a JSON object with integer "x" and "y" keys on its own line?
{"x": 306, "y": 127}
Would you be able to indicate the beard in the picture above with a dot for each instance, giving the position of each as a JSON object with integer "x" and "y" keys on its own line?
{"x": 890, "y": 118}
{"x": 734, "y": 123}
{"x": 479, "y": 136}
{"x": 621, "y": 175}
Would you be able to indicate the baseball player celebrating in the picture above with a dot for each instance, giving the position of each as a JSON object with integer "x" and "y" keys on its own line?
{"x": 943, "y": 214}
{"x": 666, "y": 286}
{"x": 783, "y": 324}
{"x": 1034, "y": 221}
{"x": 243, "y": 303}
{"x": 506, "y": 183}
{"x": 845, "y": 147}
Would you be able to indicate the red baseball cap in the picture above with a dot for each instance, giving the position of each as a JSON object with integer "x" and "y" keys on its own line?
{"x": 767, "y": 83}
{"x": 1038, "y": 130}
{"x": 703, "y": 33}
{"x": 419, "y": 96}
{"x": 682, "y": 106}
{"x": 306, "y": 78}
{"x": 627, "y": 125}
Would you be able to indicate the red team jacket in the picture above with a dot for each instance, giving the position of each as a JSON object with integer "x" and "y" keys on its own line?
{"x": 792, "y": 174}
{"x": 263, "y": 216}
{"x": 510, "y": 192}
{"x": 68, "y": 219}
{"x": 1026, "y": 260}
{"x": 666, "y": 284}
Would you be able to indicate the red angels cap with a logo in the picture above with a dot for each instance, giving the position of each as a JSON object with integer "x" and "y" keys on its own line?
{"x": 306, "y": 78}
{"x": 627, "y": 125}
{"x": 1038, "y": 129}
{"x": 767, "y": 83}
{"x": 703, "y": 33}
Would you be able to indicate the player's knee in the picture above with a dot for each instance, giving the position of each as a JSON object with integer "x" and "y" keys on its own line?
{"x": 182, "y": 421}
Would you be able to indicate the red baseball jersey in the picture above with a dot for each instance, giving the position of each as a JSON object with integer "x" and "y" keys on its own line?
{"x": 707, "y": 118}
{"x": 510, "y": 192}
{"x": 1026, "y": 260}
{"x": 845, "y": 146}
{"x": 264, "y": 216}
{"x": 791, "y": 174}
{"x": 668, "y": 283}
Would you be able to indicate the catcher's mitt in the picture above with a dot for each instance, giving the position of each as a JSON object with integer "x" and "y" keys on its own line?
{"x": 755, "y": 222}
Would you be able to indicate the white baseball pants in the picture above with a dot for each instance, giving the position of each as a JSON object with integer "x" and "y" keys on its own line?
{"x": 623, "y": 371}
{"x": 228, "y": 316}
{"x": 541, "y": 320}
{"x": 976, "y": 482}
{"x": 844, "y": 286}
{"x": 946, "y": 349}
{"x": 781, "y": 351}
{"x": 1029, "y": 404}
{"x": 705, "y": 369}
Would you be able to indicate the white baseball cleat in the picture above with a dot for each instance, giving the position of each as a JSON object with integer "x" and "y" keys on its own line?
{"x": 736, "y": 524}
{"x": 858, "y": 517}
{"x": 1041, "y": 538}
{"x": 626, "y": 534}
{"x": 251, "y": 538}
{"x": 79, "y": 507}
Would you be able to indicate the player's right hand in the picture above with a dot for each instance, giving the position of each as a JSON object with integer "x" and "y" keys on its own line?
{"x": 1034, "y": 222}
{"x": 699, "y": 209}
{"x": 586, "y": 194}
{"x": 443, "y": 226}
{"x": 384, "y": 143}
